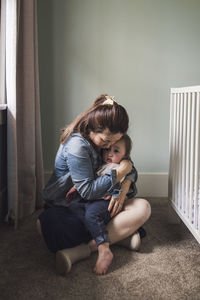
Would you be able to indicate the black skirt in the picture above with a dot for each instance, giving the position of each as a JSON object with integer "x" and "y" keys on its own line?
{"x": 62, "y": 228}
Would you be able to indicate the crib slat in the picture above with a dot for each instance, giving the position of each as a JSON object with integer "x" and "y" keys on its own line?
{"x": 188, "y": 153}
{"x": 192, "y": 143}
{"x": 196, "y": 164}
{"x": 174, "y": 151}
{"x": 180, "y": 154}
{"x": 184, "y": 153}
{"x": 177, "y": 152}
{"x": 171, "y": 139}
{"x": 176, "y": 158}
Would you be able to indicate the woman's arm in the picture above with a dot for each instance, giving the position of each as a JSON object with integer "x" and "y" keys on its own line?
{"x": 80, "y": 160}
{"x": 124, "y": 168}
{"x": 116, "y": 204}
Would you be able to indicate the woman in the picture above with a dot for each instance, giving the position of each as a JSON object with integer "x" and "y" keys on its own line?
{"x": 77, "y": 159}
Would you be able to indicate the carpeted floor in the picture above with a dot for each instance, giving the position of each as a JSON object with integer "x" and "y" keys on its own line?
{"x": 167, "y": 266}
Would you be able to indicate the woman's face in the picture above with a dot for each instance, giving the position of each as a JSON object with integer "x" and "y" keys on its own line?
{"x": 105, "y": 138}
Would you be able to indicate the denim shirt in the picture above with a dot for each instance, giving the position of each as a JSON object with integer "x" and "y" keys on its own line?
{"x": 76, "y": 164}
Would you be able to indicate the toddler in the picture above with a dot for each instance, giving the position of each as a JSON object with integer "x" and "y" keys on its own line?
{"x": 98, "y": 213}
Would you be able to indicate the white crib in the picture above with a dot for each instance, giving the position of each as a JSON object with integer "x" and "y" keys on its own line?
{"x": 184, "y": 172}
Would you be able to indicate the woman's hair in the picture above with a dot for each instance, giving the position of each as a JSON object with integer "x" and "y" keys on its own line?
{"x": 100, "y": 116}
{"x": 128, "y": 144}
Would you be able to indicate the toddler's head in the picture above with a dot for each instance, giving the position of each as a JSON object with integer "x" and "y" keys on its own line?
{"x": 118, "y": 151}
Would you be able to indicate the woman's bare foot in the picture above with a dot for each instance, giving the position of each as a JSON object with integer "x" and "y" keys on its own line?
{"x": 104, "y": 259}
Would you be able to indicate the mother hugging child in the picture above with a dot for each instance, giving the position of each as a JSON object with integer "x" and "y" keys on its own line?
{"x": 85, "y": 212}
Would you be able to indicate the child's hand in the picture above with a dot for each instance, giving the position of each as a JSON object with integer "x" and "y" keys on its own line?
{"x": 71, "y": 193}
{"x": 116, "y": 205}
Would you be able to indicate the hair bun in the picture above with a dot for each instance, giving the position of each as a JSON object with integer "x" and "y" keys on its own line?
{"x": 109, "y": 100}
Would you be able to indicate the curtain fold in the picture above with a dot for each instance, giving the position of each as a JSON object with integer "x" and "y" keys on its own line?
{"x": 2, "y": 51}
{"x": 30, "y": 165}
{"x": 25, "y": 162}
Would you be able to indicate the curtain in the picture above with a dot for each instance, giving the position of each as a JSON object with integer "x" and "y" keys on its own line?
{"x": 24, "y": 143}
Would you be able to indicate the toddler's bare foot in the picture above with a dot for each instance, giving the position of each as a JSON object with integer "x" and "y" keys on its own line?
{"x": 104, "y": 259}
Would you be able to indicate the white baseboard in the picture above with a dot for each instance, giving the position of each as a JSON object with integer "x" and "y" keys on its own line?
{"x": 148, "y": 184}
{"x": 152, "y": 184}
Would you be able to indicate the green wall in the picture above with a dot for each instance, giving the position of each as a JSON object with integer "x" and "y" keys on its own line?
{"x": 135, "y": 50}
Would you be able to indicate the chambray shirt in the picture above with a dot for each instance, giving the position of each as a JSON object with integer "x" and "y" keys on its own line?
{"x": 76, "y": 164}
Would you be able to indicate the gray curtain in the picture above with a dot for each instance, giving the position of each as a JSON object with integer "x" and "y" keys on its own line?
{"x": 25, "y": 163}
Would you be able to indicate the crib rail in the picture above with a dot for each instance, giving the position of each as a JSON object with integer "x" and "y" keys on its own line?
{"x": 184, "y": 173}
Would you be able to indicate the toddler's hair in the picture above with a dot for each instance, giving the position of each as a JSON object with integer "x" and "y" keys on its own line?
{"x": 128, "y": 144}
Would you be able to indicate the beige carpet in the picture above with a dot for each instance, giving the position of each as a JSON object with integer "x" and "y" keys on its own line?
{"x": 167, "y": 266}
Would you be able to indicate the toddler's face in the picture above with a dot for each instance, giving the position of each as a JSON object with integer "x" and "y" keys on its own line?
{"x": 115, "y": 153}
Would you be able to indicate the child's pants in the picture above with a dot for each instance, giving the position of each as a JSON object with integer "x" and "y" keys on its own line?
{"x": 95, "y": 216}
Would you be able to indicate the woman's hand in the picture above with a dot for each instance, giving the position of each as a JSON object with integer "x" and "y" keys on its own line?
{"x": 124, "y": 168}
{"x": 116, "y": 205}
{"x": 107, "y": 197}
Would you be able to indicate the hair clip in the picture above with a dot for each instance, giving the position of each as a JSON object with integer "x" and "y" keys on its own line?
{"x": 109, "y": 100}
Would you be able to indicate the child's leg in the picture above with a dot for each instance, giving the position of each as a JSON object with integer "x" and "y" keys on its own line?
{"x": 96, "y": 218}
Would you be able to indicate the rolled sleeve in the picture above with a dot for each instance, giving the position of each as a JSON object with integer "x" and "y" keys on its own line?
{"x": 132, "y": 176}
{"x": 80, "y": 163}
